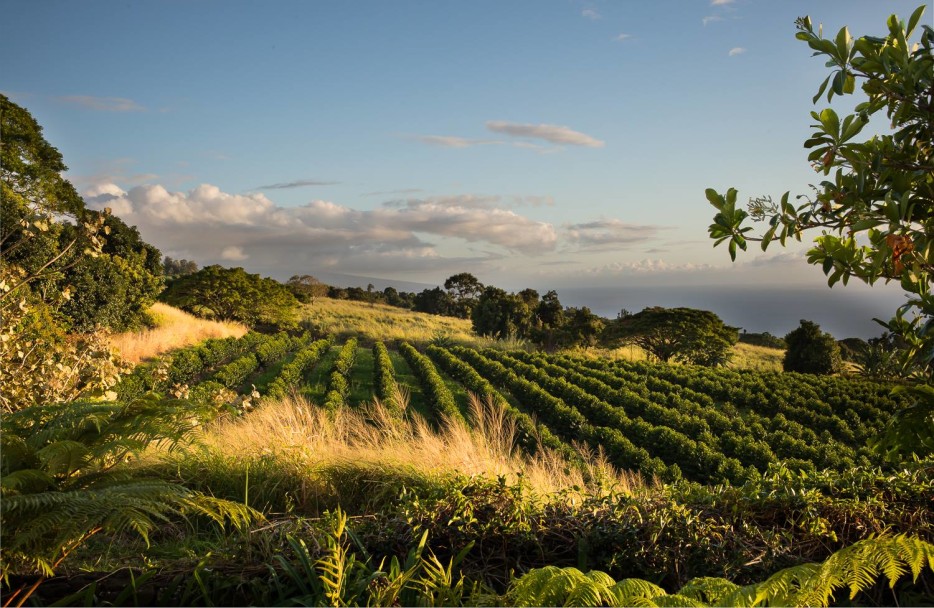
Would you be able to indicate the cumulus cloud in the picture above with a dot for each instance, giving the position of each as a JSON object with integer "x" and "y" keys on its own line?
{"x": 103, "y": 104}
{"x": 711, "y": 19}
{"x": 622, "y": 37}
{"x": 210, "y": 225}
{"x": 233, "y": 254}
{"x": 609, "y": 234}
{"x": 591, "y": 14}
{"x": 721, "y": 2}
{"x": 736, "y": 50}
{"x": 554, "y": 134}
{"x": 296, "y": 184}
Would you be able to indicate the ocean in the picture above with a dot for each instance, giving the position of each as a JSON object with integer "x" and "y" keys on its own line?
{"x": 843, "y": 312}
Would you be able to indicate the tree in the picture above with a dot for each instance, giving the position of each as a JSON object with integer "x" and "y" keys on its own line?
{"x": 582, "y": 327}
{"x": 875, "y": 207}
{"x": 434, "y": 301}
{"x": 116, "y": 288}
{"x": 465, "y": 289}
{"x": 216, "y": 292}
{"x": 45, "y": 233}
{"x": 306, "y": 288}
{"x": 686, "y": 335}
{"x": 175, "y": 268}
{"x": 502, "y": 315}
{"x": 811, "y": 351}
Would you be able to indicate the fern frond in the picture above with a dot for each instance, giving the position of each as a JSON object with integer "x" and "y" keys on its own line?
{"x": 632, "y": 588}
{"x": 782, "y": 587}
{"x": 676, "y": 599}
{"x": 708, "y": 589}
{"x": 64, "y": 457}
{"x": 743, "y": 597}
{"x": 25, "y": 481}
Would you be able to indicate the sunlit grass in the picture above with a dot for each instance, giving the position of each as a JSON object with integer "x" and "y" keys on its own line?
{"x": 174, "y": 329}
{"x": 758, "y": 358}
{"x": 387, "y": 323}
{"x": 300, "y": 457}
{"x": 745, "y": 356}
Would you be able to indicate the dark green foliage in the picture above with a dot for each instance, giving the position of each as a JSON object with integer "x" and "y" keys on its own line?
{"x": 686, "y": 335}
{"x": 500, "y": 315}
{"x": 338, "y": 385}
{"x": 763, "y": 339}
{"x": 465, "y": 289}
{"x": 47, "y": 234}
{"x": 232, "y": 293}
{"x": 436, "y": 391}
{"x": 306, "y": 288}
{"x": 530, "y": 433}
{"x": 176, "y": 268}
{"x": 274, "y": 348}
{"x": 62, "y": 481}
{"x": 291, "y": 374}
{"x": 434, "y": 301}
{"x": 910, "y": 432}
{"x": 234, "y": 373}
{"x": 811, "y": 351}
{"x": 385, "y": 378}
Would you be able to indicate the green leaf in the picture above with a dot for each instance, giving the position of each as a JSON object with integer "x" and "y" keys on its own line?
{"x": 830, "y": 122}
{"x": 842, "y": 42}
{"x": 767, "y": 237}
{"x": 914, "y": 19}
{"x": 715, "y": 199}
{"x": 823, "y": 87}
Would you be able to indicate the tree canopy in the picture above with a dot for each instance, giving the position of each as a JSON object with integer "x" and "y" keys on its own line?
{"x": 686, "y": 335}
{"x": 875, "y": 206}
{"x": 216, "y": 292}
{"x": 811, "y": 351}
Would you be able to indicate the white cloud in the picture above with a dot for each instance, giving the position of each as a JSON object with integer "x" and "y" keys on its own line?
{"x": 711, "y": 19}
{"x": 591, "y": 14}
{"x": 622, "y": 37}
{"x": 609, "y": 234}
{"x": 721, "y": 2}
{"x": 209, "y": 225}
{"x": 738, "y": 50}
{"x": 551, "y": 133}
{"x": 233, "y": 254}
{"x": 104, "y": 104}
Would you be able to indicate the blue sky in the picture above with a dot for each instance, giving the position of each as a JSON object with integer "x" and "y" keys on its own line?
{"x": 563, "y": 143}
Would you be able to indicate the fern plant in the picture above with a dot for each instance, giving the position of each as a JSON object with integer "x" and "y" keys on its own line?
{"x": 64, "y": 477}
{"x": 857, "y": 568}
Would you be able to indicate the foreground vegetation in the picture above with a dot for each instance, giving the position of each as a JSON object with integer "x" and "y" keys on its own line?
{"x": 384, "y": 459}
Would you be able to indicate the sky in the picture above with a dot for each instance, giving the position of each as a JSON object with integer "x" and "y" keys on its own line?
{"x": 554, "y": 144}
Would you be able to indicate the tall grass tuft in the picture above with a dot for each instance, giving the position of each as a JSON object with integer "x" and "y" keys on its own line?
{"x": 301, "y": 458}
{"x": 174, "y": 329}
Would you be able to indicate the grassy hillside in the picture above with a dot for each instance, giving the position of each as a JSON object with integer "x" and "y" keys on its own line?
{"x": 671, "y": 474}
{"x": 380, "y": 322}
{"x": 174, "y": 329}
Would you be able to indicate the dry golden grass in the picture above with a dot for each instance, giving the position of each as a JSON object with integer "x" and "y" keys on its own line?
{"x": 387, "y": 323}
{"x": 302, "y": 437}
{"x": 174, "y": 329}
{"x": 758, "y": 358}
